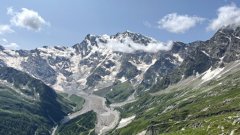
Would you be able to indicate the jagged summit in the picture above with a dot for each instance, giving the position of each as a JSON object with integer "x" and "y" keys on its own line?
{"x": 125, "y": 42}
{"x": 121, "y": 35}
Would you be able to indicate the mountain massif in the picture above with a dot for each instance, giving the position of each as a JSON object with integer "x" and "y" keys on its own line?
{"x": 130, "y": 84}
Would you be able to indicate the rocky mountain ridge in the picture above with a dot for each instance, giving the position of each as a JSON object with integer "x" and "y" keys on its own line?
{"x": 102, "y": 61}
{"x": 92, "y": 63}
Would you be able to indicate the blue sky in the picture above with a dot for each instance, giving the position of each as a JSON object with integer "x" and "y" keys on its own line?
{"x": 64, "y": 22}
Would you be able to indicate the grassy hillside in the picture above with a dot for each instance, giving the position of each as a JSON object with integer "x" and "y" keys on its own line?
{"x": 21, "y": 116}
{"x": 195, "y": 109}
{"x": 27, "y": 105}
{"x": 75, "y": 101}
{"x": 117, "y": 93}
{"x": 82, "y": 125}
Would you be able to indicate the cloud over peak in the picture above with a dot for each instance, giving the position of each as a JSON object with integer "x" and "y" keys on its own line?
{"x": 127, "y": 45}
{"x": 27, "y": 18}
{"x": 8, "y": 45}
{"x": 226, "y": 15}
{"x": 5, "y": 29}
{"x": 176, "y": 23}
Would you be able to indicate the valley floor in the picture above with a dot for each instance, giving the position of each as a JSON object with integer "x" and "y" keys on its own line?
{"x": 107, "y": 118}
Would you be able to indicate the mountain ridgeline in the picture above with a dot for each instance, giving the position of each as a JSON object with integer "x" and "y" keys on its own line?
{"x": 96, "y": 65}
{"x": 114, "y": 67}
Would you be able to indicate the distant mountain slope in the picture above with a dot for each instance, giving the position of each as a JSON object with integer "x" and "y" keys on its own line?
{"x": 198, "y": 105}
{"x": 27, "y": 105}
{"x": 83, "y": 125}
{"x": 201, "y": 56}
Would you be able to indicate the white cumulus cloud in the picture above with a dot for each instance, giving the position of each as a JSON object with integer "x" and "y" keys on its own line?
{"x": 127, "y": 45}
{"x": 13, "y": 46}
{"x": 5, "y": 29}
{"x": 10, "y": 11}
{"x": 175, "y": 23}
{"x": 8, "y": 45}
{"x": 226, "y": 15}
{"x": 27, "y": 18}
{"x": 147, "y": 24}
{"x": 4, "y": 40}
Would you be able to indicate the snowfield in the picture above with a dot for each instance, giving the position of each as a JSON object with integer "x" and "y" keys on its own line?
{"x": 180, "y": 59}
{"x": 210, "y": 74}
{"x": 125, "y": 121}
{"x": 143, "y": 132}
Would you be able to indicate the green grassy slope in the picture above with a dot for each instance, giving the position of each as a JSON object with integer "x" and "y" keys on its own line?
{"x": 81, "y": 125}
{"x": 21, "y": 116}
{"x": 75, "y": 101}
{"x": 27, "y": 105}
{"x": 212, "y": 108}
{"x": 117, "y": 93}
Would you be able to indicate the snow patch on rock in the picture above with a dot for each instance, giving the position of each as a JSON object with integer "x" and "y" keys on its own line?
{"x": 143, "y": 132}
{"x": 123, "y": 79}
{"x": 206, "y": 53}
{"x": 60, "y": 79}
{"x": 210, "y": 74}
{"x": 179, "y": 58}
{"x": 125, "y": 121}
{"x": 14, "y": 60}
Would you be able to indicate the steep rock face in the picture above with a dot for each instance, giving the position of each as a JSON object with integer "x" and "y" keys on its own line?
{"x": 40, "y": 68}
{"x": 225, "y": 43}
{"x": 167, "y": 64}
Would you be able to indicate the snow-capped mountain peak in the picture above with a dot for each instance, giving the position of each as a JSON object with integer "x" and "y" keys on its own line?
{"x": 101, "y": 61}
